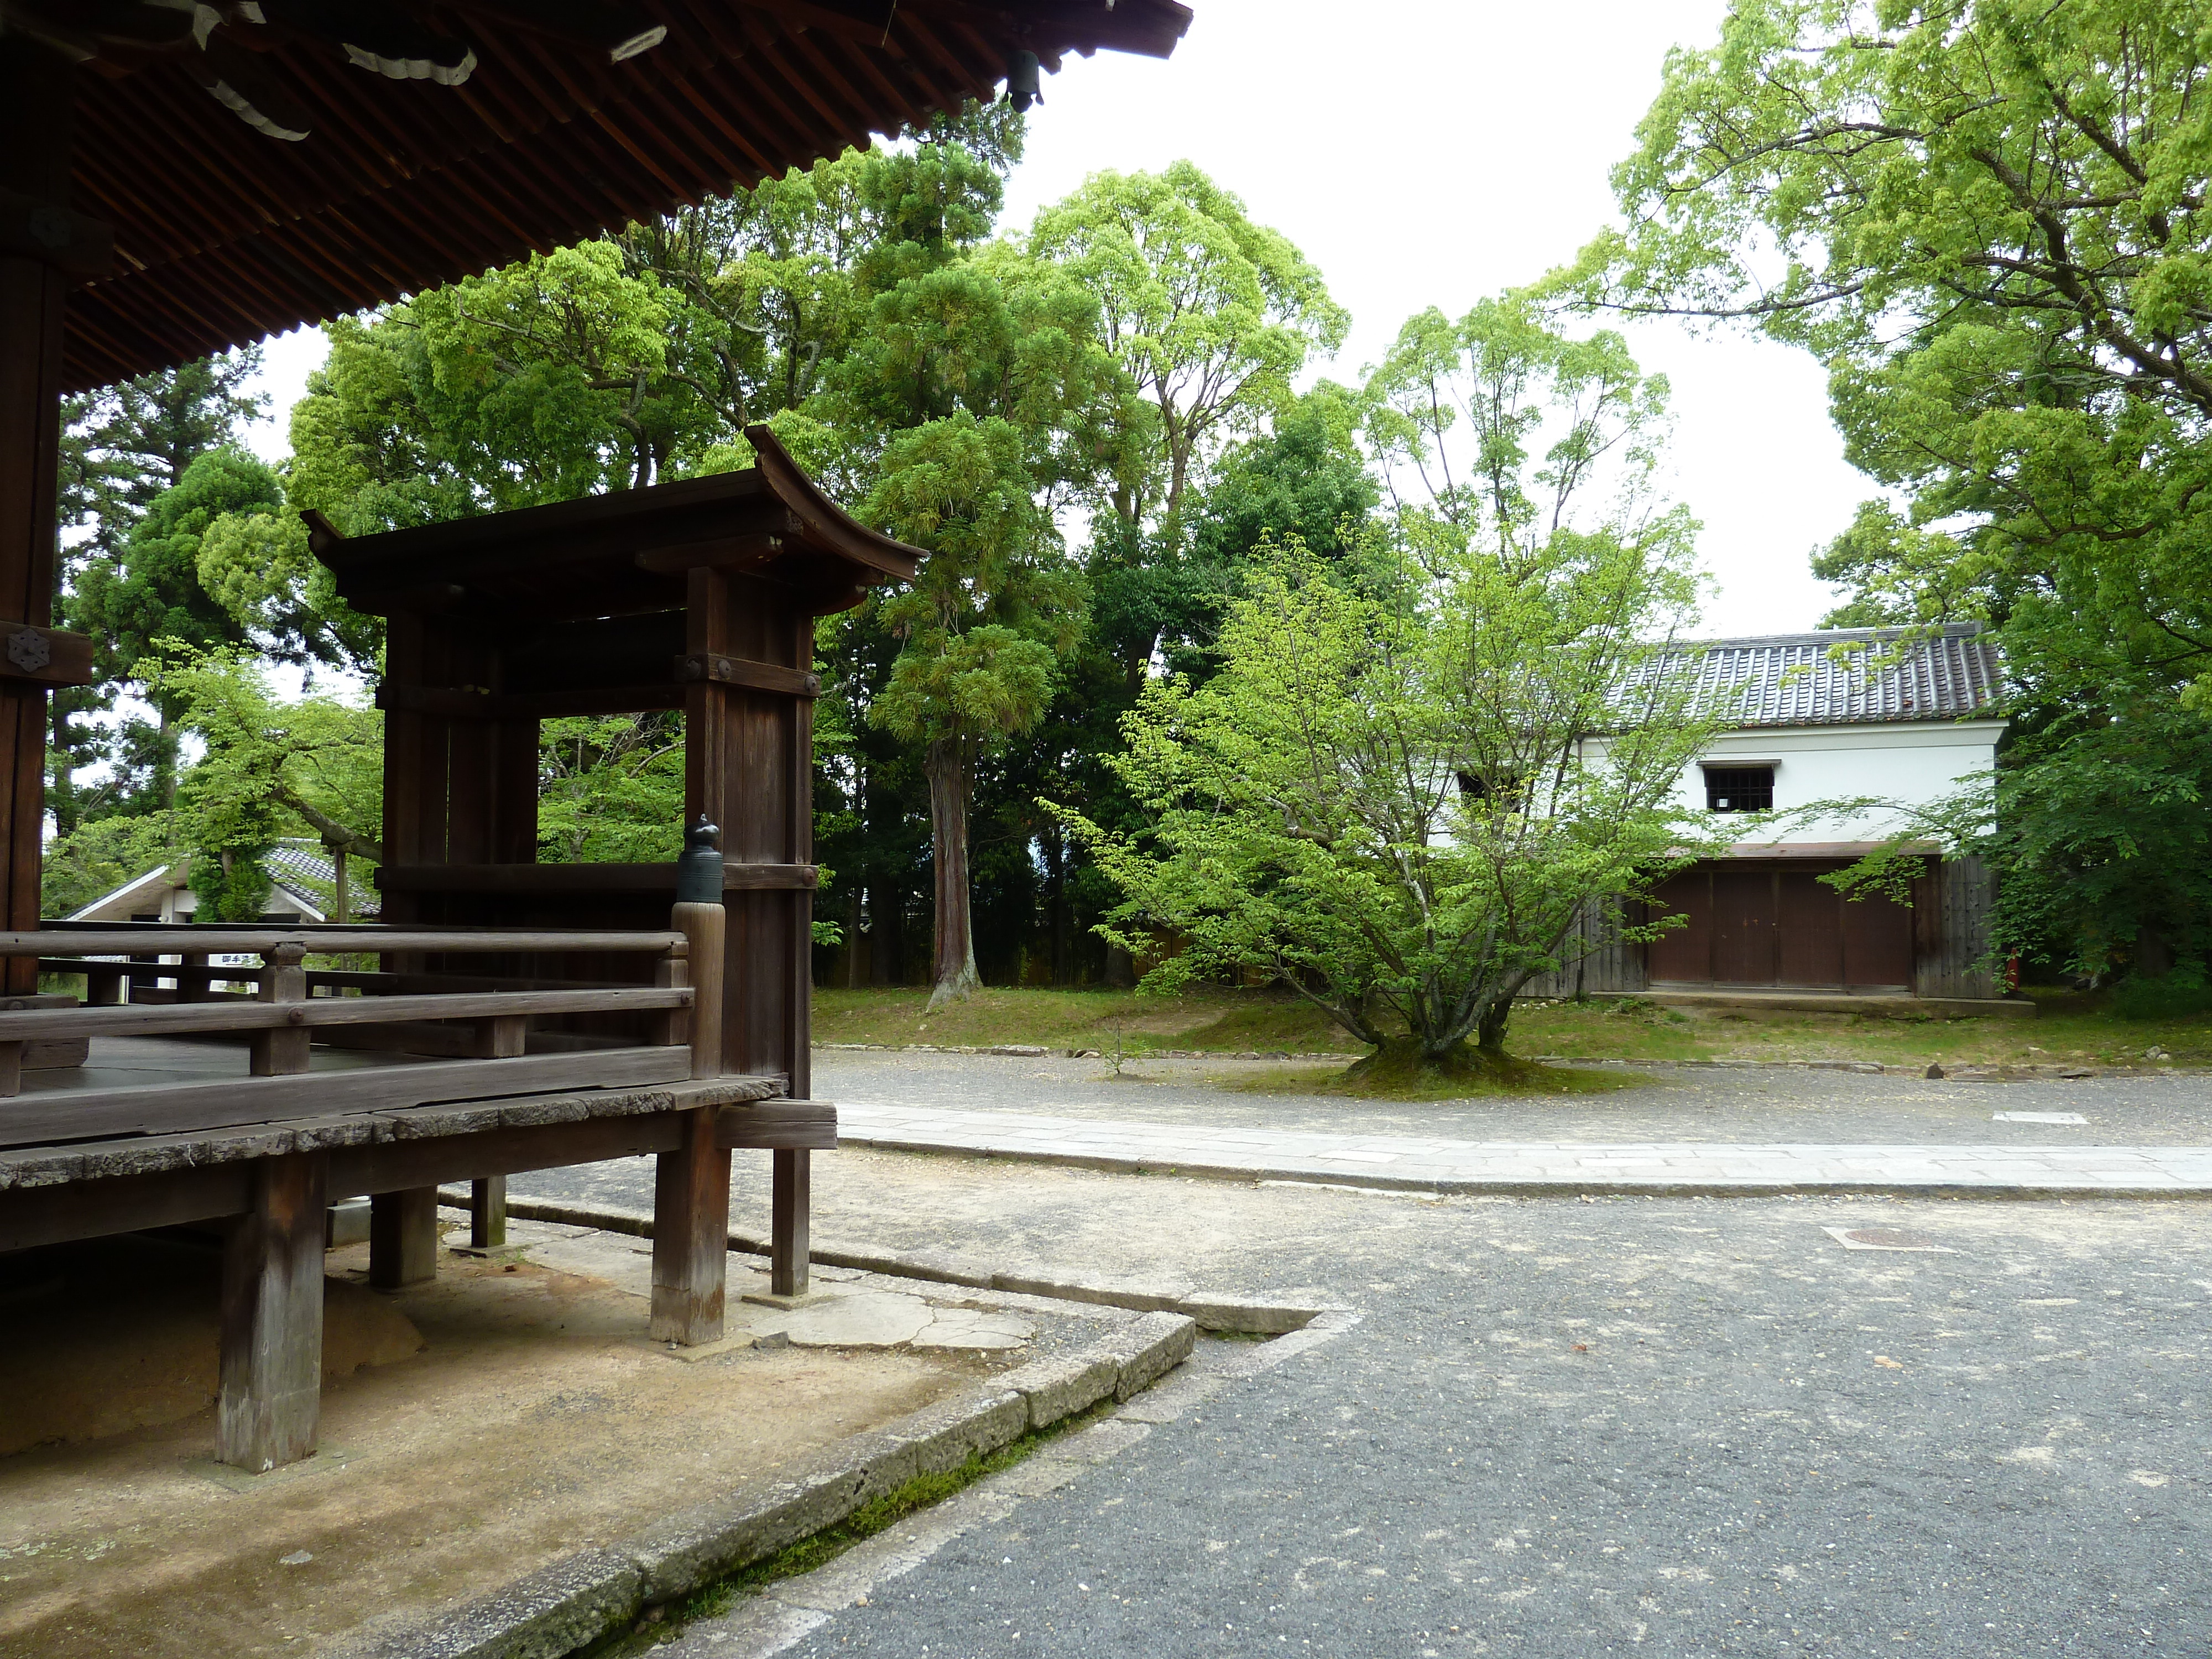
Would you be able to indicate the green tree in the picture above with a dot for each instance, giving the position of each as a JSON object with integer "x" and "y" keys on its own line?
{"x": 1211, "y": 317}
{"x": 100, "y": 855}
{"x": 991, "y": 612}
{"x": 1398, "y": 807}
{"x": 149, "y": 604}
{"x": 1986, "y": 219}
{"x": 122, "y": 446}
{"x": 611, "y": 789}
{"x": 1417, "y": 767}
{"x": 268, "y": 769}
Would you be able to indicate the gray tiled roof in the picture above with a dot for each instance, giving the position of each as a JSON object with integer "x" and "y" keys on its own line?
{"x": 1790, "y": 679}
{"x": 303, "y": 867}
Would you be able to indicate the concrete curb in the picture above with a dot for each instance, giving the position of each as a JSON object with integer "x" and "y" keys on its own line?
{"x": 598, "y": 1592}
{"x": 1208, "y": 1310}
{"x": 1510, "y": 1186}
{"x": 1970, "y": 1072}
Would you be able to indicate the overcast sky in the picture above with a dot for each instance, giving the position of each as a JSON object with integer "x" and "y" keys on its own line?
{"x": 1430, "y": 153}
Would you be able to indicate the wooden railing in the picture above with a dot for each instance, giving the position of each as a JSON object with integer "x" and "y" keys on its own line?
{"x": 480, "y": 1021}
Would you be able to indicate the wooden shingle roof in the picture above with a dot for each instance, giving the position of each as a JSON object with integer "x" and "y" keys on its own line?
{"x": 262, "y": 167}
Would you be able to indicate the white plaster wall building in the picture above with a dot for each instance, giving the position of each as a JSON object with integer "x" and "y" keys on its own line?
{"x": 1805, "y": 728}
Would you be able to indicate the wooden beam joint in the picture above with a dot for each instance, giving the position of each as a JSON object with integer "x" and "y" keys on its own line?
{"x": 713, "y": 668}
{"x": 46, "y": 656}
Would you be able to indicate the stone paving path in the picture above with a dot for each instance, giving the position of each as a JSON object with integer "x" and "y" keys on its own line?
{"x": 1426, "y": 1163}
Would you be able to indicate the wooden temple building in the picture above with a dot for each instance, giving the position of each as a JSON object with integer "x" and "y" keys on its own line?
{"x": 179, "y": 178}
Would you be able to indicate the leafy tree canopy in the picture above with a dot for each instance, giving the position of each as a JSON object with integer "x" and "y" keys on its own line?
{"x": 1414, "y": 771}
{"x": 1988, "y": 220}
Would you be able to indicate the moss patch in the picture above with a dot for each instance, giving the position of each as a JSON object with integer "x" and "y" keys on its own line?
{"x": 1397, "y": 1071}
{"x": 825, "y": 1547}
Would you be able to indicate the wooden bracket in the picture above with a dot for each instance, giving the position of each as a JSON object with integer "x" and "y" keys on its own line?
{"x": 48, "y": 656}
{"x": 715, "y": 669}
{"x": 70, "y": 242}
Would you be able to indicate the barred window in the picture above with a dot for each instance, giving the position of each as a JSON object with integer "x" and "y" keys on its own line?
{"x": 1740, "y": 789}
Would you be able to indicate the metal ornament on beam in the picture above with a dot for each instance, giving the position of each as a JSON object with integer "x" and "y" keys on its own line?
{"x": 48, "y": 656}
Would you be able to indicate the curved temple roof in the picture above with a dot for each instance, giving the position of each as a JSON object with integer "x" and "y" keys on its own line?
{"x": 622, "y": 554}
{"x": 264, "y": 163}
{"x": 625, "y": 553}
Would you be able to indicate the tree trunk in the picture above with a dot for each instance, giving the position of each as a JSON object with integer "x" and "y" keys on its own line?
{"x": 1056, "y": 911}
{"x": 853, "y": 942}
{"x": 2154, "y": 956}
{"x": 61, "y": 788}
{"x": 886, "y": 935}
{"x": 950, "y": 767}
{"x": 1489, "y": 1027}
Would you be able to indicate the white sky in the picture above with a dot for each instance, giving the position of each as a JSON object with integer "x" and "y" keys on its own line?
{"x": 1423, "y": 152}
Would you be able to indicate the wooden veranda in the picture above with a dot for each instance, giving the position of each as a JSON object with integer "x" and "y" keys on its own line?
{"x": 175, "y": 180}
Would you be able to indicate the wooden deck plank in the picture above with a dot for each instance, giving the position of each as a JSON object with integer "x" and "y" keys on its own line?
{"x": 167, "y": 1108}
{"x": 169, "y": 1019}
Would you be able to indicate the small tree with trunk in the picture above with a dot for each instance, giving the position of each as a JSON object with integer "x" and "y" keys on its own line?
{"x": 1401, "y": 805}
{"x": 1418, "y": 769}
{"x": 990, "y": 613}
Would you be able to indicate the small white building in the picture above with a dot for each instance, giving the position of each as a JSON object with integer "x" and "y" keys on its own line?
{"x": 1907, "y": 725}
{"x": 302, "y": 880}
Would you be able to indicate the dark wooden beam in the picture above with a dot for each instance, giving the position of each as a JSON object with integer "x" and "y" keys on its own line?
{"x": 56, "y": 1213}
{"x": 270, "y": 1400}
{"x": 46, "y": 656}
{"x": 718, "y": 669}
{"x": 471, "y": 704}
{"x": 557, "y": 879}
{"x": 403, "y": 1237}
{"x": 37, "y": 130}
{"x": 690, "y": 1232}
{"x": 791, "y": 1201}
{"x": 62, "y": 1114}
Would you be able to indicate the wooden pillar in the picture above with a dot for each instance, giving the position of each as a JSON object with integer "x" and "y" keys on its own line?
{"x": 704, "y": 927}
{"x": 690, "y": 1233}
{"x": 272, "y": 1318}
{"x": 488, "y": 1212}
{"x": 283, "y": 1051}
{"x": 403, "y": 1238}
{"x": 790, "y": 1180}
{"x": 37, "y": 106}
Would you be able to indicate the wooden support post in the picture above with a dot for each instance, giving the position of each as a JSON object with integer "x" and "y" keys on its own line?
{"x": 282, "y": 1051}
{"x": 488, "y": 1212}
{"x": 704, "y": 927}
{"x": 11, "y": 1069}
{"x": 105, "y": 987}
{"x": 403, "y": 1238}
{"x": 690, "y": 1233}
{"x": 37, "y": 114}
{"x": 787, "y": 1230}
{"x": 501, "y": 1038}
{"x": 272, "y": 1318}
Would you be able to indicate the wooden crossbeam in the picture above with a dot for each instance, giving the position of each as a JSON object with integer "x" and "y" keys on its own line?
{"x": 50, "y": 1116}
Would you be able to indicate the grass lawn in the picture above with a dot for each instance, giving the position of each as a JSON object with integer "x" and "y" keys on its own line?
{"x": 2068, "y": 1027}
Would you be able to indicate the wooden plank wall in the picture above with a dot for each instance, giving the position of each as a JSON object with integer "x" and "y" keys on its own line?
{"x": 1615, "y": 968}
{"x": 749, "y": 766}
{"x": 1951, "y": 908}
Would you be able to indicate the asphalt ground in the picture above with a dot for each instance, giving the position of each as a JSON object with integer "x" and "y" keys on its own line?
{"x": 1677, "y": 1102}
{"x": 1635, "y": 1425}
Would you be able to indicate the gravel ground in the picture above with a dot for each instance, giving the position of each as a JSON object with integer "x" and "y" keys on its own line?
{"x": 1678, "y": 1103}
{"x": 1635, "y": 1425}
